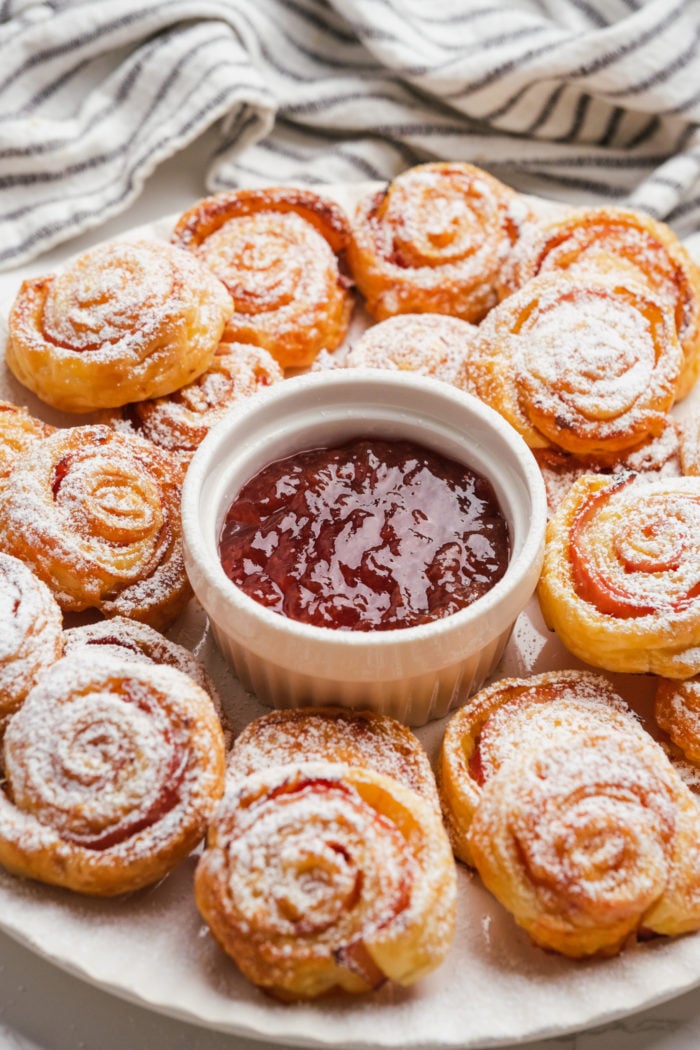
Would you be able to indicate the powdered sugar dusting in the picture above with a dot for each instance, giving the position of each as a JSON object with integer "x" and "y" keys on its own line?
{"x": 31, "y": 636}
{"x": 107, "y": 770}
{"x": 430, "y": 344}
{"x": 587, "y": 366}
{"x": 179, "y": 422}
{"x": 96, "y": 514}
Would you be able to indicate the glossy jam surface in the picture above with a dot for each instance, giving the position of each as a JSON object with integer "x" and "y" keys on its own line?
{"x": 371, "y": 535}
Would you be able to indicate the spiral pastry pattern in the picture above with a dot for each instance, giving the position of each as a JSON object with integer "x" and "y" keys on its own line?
{"x": 435, "y": 241}
{"x": 111, "y": 775}
{"x": 581, "y": 843}
{"x": 125, "y": 321}
{"x": 430, "y": 344}
{"x": 179, "y": 422}
{"x": 19, "y": 431}
{"x": 96, "y": 514}
{"x": 31, "y": 633}
{"x": 327, "y": 876}
{"x": 334, "y": 734}
{"x": 130, "y": 640}
{"x": 276, "y": 250}
{"x": 513, "y": 714}
{"x": 621, "y": 577}
{"x": 584, "y": 364}
{"x": 617, "y": 239}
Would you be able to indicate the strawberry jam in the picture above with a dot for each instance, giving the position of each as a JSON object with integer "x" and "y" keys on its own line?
{"x": 371, "y": 535}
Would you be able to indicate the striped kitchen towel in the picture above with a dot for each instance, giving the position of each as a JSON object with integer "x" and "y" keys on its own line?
{"x": 582, "y": 100}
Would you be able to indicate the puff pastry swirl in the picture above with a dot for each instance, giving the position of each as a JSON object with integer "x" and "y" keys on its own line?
{"x": 325, "y": 876}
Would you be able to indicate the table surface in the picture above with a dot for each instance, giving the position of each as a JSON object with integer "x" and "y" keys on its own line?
{"x": 44, "y": 1008}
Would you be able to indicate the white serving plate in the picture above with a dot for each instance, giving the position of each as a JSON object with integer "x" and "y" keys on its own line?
{"x": 495, "y": 988}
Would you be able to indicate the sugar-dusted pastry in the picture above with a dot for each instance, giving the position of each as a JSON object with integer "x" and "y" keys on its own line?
{"x": 590, "y": 843}
{"x": 96, "y": 514}
{"x": 19, "y": 430}
{"x": 276, "y": 249}
{"x": 620, "y": 582}
{"x": 435, "y": 240}
{"x": 179, "y": 422}
{"x": 334, "y": 734}
{"x": 123, "y": 322}
{"x": 664, "y": 455}
{"x": 619, "y": 239}
{"x": 431, "y": 344}
{"x": 31, "y": 633}
{"x": 534, "y": 713}
{"x": 579, "y": 362}
{"x": 689, "y": 444}
{"x": 677, "y": 711}
{"x": 130, "y": 640}
{"x": 324, "y": 876}
{"x": 111, "y": 775}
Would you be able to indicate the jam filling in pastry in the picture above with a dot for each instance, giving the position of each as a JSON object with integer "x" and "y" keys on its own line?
{"x": 123, "y": 322}
{"x": 322, "y": 877}
{"x": 620, "y": 582}
{"x": 130, "y": 640}
{"x": 516, "y": 713}
{"x": 434, "y": 241}
{"x": 179, "y": 422}
{"x": 334, "y": 734}
{"x": 430, "y": 344}
{"x": 31, "y": 633}
{"x": 277, "y": 251}
{"x": 96, "y": 514}
{"x": 619, "y": 240}
{"x": 19, "y": 431}
{"x": 583, "y": 363}
{"x": 590, "y": 843}
{"x": 111, "y": 775}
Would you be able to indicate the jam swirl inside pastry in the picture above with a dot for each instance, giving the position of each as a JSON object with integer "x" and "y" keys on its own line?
{"x": 111, "y": 775}
{"x": 621, "y": 577}
{"x": 96, "y": 514}
{"x": 123, "y": 322}
{"x": 434, "y": 241}
{"x": 276, "y": 250}
{"x": 617, "y": 239}
{"x": 325, "y": 876}
{"x": 585, "y": 363}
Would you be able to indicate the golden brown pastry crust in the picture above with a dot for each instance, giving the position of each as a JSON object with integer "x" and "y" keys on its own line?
{"x": 432, "y": 345}
{"x": 130, "y": 640}
{"x": 123, "y": 322}
{"x": 111, "y": 774}
{"x": 96, "y": 514}
{"x": 583, "y": 363}
{"x": 512, "y": 714}
{"x": 179, "y": 422}
{"x": 334, "y": 734}
{"x": 585, "y": 843}
{"x": 276, "y": 250}
{"x": 434, "y": 240}
{"x": 619, "y": 239}
{"x": 31, "y": 633}
{"x": 324, "y": 876}
{"x": 19, "y": 430}
{"x": 677, "y": 711}
{"x": 621, "y": 574}
{"x": 660, "y": 456}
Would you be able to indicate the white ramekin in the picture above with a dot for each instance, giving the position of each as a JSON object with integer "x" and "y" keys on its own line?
{"x": 413, "y": 673}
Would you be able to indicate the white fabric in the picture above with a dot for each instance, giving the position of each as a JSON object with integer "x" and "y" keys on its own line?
{"x": 581, "y": 100}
